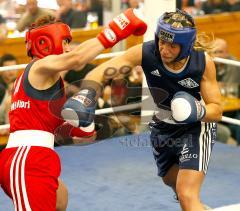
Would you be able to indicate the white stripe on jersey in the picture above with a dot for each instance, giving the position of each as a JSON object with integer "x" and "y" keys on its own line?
{"x": 16, "y": 88}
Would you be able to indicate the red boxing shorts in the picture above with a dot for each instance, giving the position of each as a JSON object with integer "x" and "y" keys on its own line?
{"x": 30, "y": 176}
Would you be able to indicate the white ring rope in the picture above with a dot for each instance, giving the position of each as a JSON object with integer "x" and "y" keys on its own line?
{"x": 135, "y": 106}
{"x": 118, "y": 108}
{"x": 22, "y": 66}
{"x": 130, "y": 106}
{"x": 231, "y": 120}
{"x": 114, "y": 54}
{"x": 226, "y": 61}
{"x": 13, "y": 67}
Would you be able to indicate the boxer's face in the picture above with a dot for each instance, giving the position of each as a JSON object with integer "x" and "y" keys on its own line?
{"x": 168, "y": 51}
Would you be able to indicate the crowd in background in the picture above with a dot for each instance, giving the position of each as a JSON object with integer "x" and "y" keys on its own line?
{"x": 77, "y": 14}
{"x": 90, "y": 13}
{"x": 201, "y": 7}
{"x": 117, "y": 91}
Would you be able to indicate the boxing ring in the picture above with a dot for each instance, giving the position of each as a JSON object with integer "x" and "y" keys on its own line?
{"x": 120, "y": 174}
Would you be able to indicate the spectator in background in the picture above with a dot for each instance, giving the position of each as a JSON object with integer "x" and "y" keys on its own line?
{"x": 214, "y": 6}
{"x": 6, "y": 80}
{"x": 95, "y": 6}
{"x": 7, "y": 77}
{"x": 234, "y": 5}
{"x": 227, "y": 76}
{"x": 33, "y": 12}
{"x": 225, "y": 73}
{"x": 137, "y": 4}
{"x": 82, "y": 5}
{"x": 193, "y": 7}
{"x": 68, "y": 15}
{"x": 3, "y": 28}
{"x": 7, "y": 8}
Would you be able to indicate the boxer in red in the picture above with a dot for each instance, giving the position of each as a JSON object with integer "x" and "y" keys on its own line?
{"x": 30, "y": 168}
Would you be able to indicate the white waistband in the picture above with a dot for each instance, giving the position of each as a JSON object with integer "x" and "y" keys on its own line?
{"x": 31, "y": 138}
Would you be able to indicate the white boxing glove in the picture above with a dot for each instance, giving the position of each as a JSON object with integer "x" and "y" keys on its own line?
{"x": 186, "y": 108}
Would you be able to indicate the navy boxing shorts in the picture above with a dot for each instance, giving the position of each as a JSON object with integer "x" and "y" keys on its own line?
{"x": 187, "y": 145}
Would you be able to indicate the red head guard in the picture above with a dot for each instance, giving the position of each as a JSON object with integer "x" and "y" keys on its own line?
{"x": 46, "y": 40}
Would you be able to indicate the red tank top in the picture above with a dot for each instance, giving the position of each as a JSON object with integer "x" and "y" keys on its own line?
{"x": 33, "y": 109}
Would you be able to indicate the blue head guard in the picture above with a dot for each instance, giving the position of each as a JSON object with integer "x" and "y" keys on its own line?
{"x": 184, "y": 36}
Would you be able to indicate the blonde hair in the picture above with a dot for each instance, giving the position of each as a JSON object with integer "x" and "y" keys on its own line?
{"x": 204, "y": 42}
{"x": 180, "y": 19}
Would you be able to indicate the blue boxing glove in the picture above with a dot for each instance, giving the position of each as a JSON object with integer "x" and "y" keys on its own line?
{"x": 79, "y": 110}
{"x": 186, "y": 108}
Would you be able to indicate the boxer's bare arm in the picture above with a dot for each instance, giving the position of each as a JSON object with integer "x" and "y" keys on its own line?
{"x": 45, "y": 72}
{"x": 74, "y": 59}
{"x": 91, "y": 87}
{"x": 127, "y": 23}
{"x": 132, "y": 57}
{"x": 211, "y": 93}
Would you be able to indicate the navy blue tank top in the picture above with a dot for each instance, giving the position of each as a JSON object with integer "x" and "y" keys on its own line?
{"x": 163, "y": 84}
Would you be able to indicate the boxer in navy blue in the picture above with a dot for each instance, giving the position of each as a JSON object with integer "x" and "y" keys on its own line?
{"x": 182, "y": 81}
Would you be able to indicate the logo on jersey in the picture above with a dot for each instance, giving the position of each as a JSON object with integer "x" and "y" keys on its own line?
{"x": 156, "y": 73}
{"x": 20, "y": 104}
{"x": 188, "y": 83}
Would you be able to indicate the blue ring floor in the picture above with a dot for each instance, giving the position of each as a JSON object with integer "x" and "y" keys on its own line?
{"x": 120, "y": 174}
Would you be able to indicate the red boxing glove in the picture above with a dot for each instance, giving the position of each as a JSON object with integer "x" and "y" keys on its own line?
{"x": 122, "y": 26}
{"x": 83, "y": 131}
{"x": 66, "y": 130}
